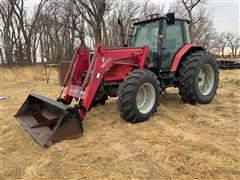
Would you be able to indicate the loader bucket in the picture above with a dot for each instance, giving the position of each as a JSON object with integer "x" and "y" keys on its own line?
{"x": 49, "y": 121}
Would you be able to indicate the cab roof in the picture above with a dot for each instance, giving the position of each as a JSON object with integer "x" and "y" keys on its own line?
{"x": 153, "y": 17}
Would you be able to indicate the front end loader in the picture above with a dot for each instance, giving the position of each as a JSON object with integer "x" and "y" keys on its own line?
{"x": 50, "y": 121}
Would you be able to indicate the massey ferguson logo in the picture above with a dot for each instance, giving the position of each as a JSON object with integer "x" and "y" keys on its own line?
{"x": 105, "y": 61}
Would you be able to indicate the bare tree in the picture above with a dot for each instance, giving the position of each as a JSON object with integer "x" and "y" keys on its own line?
{"x": 190, "y": 6}
{"x": 201, "y": 25}
{"x": 7, "y": 30}
{"x": 233, "y": 42}
{"x": 27, "y": 28}
{"x": 1, "y": 56}
{"x": 57, "y": 27}
{"x": 148, "y": 8}
{"x": 61, "y": 29}
{"x": 237, "y": 45}
{"x": 121, "y": 13}
{"x": 93, "y": 12}
{"x": 125, "y": 12}
{"x": 222, "y": 43}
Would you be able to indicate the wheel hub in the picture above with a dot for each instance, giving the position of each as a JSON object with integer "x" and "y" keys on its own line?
{"x": 145, "y": 98}
{"x": 206, "y": 79}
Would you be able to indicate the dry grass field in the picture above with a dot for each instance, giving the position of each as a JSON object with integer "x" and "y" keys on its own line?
{"x": 181, "y": 141}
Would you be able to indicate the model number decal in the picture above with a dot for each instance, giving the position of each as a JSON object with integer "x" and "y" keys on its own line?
{"x": 105, "y": 61}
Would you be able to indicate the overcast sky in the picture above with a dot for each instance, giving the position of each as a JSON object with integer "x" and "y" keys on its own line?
{"x": 226, "y": 13}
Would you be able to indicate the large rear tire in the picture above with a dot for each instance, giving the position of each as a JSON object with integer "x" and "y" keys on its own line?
{"x": 198, "y": 78}
{"x": 138, "y": 96}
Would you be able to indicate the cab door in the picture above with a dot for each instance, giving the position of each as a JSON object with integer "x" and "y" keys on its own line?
{"x": 171, "y": 43}
{"x": 147, "y": 34}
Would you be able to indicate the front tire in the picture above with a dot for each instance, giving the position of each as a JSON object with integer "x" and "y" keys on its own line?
{"x": 138, "y": 96}
{"x": 101, "y": 97}
{"x": 198, "y": 78}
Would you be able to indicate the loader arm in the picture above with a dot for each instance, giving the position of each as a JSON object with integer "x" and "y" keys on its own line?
{"x": 102, "y": 61}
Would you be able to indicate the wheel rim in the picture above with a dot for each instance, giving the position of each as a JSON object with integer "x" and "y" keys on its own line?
{"x": 206, "y": 79}
{"x": 145, "y": 98}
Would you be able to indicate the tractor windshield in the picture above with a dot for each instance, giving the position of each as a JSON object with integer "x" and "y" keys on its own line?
{"x": 147, "y": 34}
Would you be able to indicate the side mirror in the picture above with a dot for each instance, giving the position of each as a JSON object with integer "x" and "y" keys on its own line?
{"x": 170, "y": 18}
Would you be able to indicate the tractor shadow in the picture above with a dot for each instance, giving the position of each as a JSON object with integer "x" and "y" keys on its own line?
{"x": 170, "y": 97}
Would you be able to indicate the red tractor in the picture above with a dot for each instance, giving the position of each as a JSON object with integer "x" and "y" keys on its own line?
{"x": 159, "y": 55}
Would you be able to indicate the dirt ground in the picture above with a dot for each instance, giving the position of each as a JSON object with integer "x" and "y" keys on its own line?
{"x": 180, "y": 141}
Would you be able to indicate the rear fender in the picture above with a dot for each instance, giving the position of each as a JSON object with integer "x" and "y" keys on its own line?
{"x": 185, "y": 50}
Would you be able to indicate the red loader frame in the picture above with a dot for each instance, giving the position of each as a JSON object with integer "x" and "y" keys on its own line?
{"x": 85, "y": 74}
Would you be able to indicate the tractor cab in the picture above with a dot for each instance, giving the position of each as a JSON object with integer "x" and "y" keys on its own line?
{"x": 164, "y": 35}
